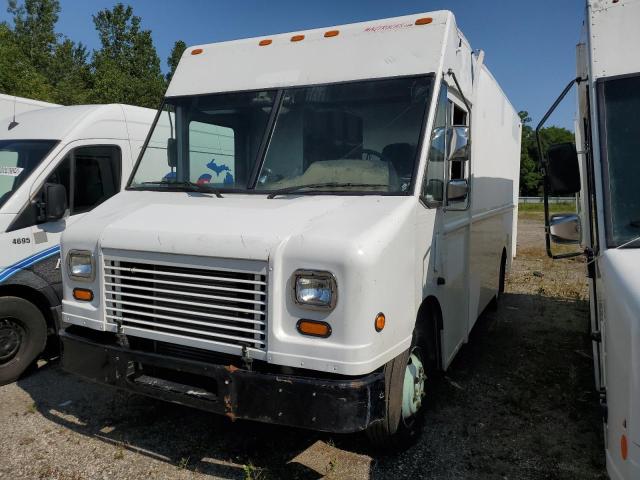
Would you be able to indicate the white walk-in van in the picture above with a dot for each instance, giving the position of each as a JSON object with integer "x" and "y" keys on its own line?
{"x": 335, "y": 252}
{"x": 604, "y": 170}
{"x": 56, "y": 164}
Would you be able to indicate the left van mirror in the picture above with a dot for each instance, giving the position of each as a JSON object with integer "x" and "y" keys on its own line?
{"x": 55, "y": 201}
{"x": 459, "y": 143}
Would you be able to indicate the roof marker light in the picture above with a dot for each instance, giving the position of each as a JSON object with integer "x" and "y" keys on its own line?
{"x": 331, "y": 33}
{"x": 297, "y": 38}
{"x": 196, "y": 51}
{"x": 424, "y": 21}
{"x": 265, "y": 42}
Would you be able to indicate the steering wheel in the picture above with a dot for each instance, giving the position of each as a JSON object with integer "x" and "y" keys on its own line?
{"x": 367, "y": 153}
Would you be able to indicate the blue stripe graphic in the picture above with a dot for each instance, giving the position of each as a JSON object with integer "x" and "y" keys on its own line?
{"x": 27, "y": 262}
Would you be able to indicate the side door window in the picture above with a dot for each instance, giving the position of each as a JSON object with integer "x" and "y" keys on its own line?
{"x": 433, "y": 186}
{"x": 96, "y": 176}
{"x": 90, "y": 176}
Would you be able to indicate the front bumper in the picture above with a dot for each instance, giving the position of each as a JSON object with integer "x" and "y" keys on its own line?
{"x": 336, "y": 405}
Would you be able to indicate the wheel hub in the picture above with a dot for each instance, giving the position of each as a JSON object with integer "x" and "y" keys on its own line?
{"x": 11, "y": 334}
{"x": 413, "y": 388}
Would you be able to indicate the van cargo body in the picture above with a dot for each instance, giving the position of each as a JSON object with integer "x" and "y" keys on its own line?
{"x": 340, "y": 238}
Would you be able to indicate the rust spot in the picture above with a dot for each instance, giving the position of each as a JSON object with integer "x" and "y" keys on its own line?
{"x": 228, "y": 407}
{"x": 231, "y": 368}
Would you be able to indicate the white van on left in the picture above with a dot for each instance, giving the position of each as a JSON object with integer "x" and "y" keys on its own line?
{"x": 56, "y": 164}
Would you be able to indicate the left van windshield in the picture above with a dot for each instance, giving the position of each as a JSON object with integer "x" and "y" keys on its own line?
{"x": 18, "y": 158}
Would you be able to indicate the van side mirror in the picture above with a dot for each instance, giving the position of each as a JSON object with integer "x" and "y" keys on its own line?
{"x": 562, "y": 169}
{"x": 459, "y": 143}
{"x": 564, "y": 228}
{"x": 172, "y": 152}
{"x": 457, "y": 190}
{"x": 55, "y": 201}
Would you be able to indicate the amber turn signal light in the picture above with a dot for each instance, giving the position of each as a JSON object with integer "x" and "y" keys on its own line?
{"x": 380, "y": 322}
{"x": 314, "y": 328}
{"x": 83, "y": 294}
{"x": 196, "y": 51}
{"x": 424, "y": 21}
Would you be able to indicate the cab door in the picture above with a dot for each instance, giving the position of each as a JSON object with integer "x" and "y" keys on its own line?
{"x": 91, "y": 173}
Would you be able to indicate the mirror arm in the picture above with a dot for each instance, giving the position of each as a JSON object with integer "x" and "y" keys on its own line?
{"x": 543, "y": 169}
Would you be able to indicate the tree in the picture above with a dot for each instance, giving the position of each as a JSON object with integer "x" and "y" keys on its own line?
{"x": 34, "y": 30}
{"x": 176, "y": 54}
{"x": 17, "y": 75}
{"x": 127, "y": 68}
{"x": 70, "y": 73}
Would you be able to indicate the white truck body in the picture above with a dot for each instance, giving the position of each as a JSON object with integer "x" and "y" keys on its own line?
{"x": 90, "y": 149}
{"x": 11, "y": 105}
{"x": 603, "y": 169}
{"x": 607, "y": 135}
{"x": 398, "y": 252}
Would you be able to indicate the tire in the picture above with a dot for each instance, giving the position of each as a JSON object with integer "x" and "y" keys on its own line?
{"x": 493, "y": 305}
{"x": 401, "y": 425}
{"x": 23, "y": 336}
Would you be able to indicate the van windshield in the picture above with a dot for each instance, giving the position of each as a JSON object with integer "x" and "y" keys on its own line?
{"x": 620, "y": 104}
{"x": 18, "y": 158}
{"x": 359, "y": 136}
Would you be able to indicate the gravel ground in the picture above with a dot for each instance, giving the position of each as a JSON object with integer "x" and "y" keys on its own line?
{"x": 517, "y": 403}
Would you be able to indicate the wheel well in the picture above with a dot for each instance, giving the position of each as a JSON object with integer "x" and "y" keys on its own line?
{"x": 429, "y": 322}
{"x": 32, "y": 295}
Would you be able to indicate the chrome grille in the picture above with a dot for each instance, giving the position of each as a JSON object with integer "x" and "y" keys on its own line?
{"x": 216, "y": 309}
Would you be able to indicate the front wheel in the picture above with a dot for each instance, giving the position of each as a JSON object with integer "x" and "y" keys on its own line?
{"x": 23, "y": 335}
{"x": 405, "y": 388}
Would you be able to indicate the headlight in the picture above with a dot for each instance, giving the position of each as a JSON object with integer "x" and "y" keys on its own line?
{"x": 315, "y": 290}
{"x": 80, "y": 265}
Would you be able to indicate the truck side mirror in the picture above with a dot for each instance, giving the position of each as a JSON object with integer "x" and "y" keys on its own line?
{"x": 564, "y": 228}
{"x": 562, "y": 169}
{"x": 459, "y": 143}
{"x": 172, "y": 152}
{"x": 457, "y": 190}
{"x": 55, "y": 201}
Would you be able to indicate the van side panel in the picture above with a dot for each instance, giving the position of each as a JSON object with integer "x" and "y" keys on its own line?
{"x": 496, "y": 132}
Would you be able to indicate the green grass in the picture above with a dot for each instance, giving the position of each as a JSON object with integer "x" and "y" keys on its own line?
{"x": 567, "y": 207}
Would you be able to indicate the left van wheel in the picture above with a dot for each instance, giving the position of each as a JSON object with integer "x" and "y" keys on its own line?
{"x": 405, "y": 387}
{"x": 23, "y": 335}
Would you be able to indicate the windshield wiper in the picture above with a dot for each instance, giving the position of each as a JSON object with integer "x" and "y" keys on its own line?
{"x": 285, "y": 190}
{"x": 194, "y": 187}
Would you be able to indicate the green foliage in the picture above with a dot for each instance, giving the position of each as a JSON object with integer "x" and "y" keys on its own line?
{"x": 37, "y": 62}
{"x": 18, "y": 76}
{"x": 530, "y": 176}
{"x": 127, "y": 67}
{"x": 176, "y": 53}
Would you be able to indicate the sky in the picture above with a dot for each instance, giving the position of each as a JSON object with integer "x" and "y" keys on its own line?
{"x": 529, "y": 44}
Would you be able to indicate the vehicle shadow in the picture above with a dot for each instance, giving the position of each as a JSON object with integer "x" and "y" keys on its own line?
{"x": 517, "y": 402}
{"x": 187, "y": 438}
